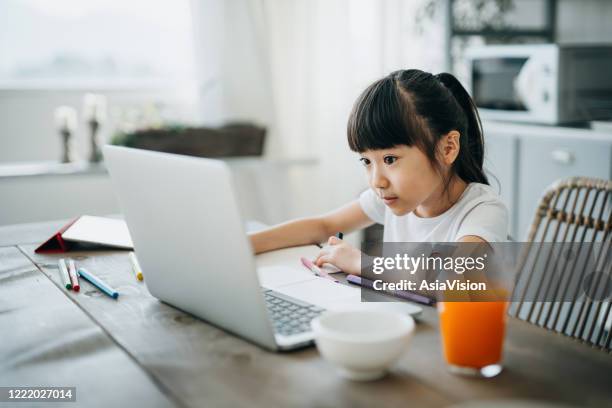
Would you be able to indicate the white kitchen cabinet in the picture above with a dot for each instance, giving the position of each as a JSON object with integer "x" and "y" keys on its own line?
{"x": 544, "y": 160}
{"x": 527, "y": 159}
{"x": 500, "y": 165}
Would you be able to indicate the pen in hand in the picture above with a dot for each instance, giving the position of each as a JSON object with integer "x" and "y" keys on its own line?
{"x": 315, "y": 269}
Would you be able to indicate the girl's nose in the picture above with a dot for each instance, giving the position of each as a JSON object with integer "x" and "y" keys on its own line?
{"x": 378, "y": 180}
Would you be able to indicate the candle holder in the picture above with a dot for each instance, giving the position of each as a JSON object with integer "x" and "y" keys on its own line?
{"x": 68, "y": 154}
{"x": 94, "y": 111}
{"x": 66, "y": 120}
{"x": 95, "y": 155}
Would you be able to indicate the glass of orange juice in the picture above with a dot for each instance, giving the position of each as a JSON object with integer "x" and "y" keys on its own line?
{"x": 473, "y": 336}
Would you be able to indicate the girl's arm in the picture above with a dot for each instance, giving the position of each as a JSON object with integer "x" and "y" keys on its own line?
{"x": 311, "y": 230}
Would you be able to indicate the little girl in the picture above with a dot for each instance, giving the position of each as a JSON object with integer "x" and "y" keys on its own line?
{"x": 419, "y": 138}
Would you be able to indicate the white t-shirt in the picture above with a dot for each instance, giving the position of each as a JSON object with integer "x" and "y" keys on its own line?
{"x": 479, "y": 211}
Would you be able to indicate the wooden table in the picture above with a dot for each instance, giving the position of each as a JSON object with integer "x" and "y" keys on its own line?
{"x": 138, "y": 351}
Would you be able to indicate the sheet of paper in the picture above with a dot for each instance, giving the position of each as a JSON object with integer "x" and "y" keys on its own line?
{"x": 273, "y": 277}
{"x": 291, "y": 257}
{"x": 287, "y": 256}
{"x": 100, "y": 230}
{"x": 322, "y": 292}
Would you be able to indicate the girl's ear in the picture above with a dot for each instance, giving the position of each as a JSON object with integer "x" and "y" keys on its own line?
{"x": 449, "y": 147}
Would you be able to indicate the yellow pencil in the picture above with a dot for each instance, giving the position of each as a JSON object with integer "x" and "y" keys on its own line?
{"x": 136, "y": 266}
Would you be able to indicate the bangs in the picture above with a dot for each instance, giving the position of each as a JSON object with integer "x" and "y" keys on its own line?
{"x": 379, "y": 118}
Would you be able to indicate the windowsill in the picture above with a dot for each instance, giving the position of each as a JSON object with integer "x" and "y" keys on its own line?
{"x": 83, "y": 168}
{"x": 38, "y": 169}
{"x": 89, "y": 85}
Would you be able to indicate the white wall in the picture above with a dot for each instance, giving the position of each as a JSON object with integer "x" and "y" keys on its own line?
{"x": 262, "y": 187}
{"x": 55, "y": 197}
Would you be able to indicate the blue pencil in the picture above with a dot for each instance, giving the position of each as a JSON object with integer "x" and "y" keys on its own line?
{"x": 88, "y": 276}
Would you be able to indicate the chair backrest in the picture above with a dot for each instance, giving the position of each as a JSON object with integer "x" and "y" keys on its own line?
{"x": 564, "y": 281}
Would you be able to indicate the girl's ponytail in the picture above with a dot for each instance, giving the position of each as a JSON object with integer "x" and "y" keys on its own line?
{"x": 471, "y": 153}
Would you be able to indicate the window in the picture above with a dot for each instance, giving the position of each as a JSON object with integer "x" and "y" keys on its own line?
{"x": 95, "y": 41}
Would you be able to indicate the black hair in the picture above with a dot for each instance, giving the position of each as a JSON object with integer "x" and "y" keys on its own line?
{"x": 415, "y": 108}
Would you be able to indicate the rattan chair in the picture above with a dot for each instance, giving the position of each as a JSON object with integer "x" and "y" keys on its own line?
{"x": 563, "y": 280}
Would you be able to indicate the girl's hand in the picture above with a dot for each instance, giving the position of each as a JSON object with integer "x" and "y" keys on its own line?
{"x": 341, "y": 255}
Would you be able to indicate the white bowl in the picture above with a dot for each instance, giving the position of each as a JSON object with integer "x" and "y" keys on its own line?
{"x": 363, "y": 344}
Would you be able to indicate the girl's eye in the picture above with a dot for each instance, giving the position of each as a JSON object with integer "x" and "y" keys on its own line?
{"x": 389, "y": 159}
{"x": 364, "y": 161}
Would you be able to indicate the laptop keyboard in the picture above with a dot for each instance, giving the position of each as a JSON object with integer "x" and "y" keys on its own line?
{"x": 290, "y": 316}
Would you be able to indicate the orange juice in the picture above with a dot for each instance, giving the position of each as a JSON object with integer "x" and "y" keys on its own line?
{"x": 472, "y": 332}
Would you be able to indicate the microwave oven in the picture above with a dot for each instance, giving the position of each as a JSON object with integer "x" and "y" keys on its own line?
{"x": 541, "y": 83}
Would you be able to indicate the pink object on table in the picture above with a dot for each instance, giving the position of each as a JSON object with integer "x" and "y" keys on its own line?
{"x": 315, "y": 269}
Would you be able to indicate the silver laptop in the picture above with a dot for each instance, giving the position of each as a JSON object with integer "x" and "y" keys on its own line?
{"x": 189, "y": 237}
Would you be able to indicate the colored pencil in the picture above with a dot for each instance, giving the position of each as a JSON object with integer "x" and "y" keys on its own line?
{"x": 63, "y": 271}
{"x": 316, "y": 270}
{"x": 98, "y": 283}
{"x": 136, "y": 266}
{"x": 74, "y": 279}
{"x": 413, "y": 297}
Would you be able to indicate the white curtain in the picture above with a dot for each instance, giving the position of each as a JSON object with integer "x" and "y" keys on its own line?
{"x": 298, "y": 66}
